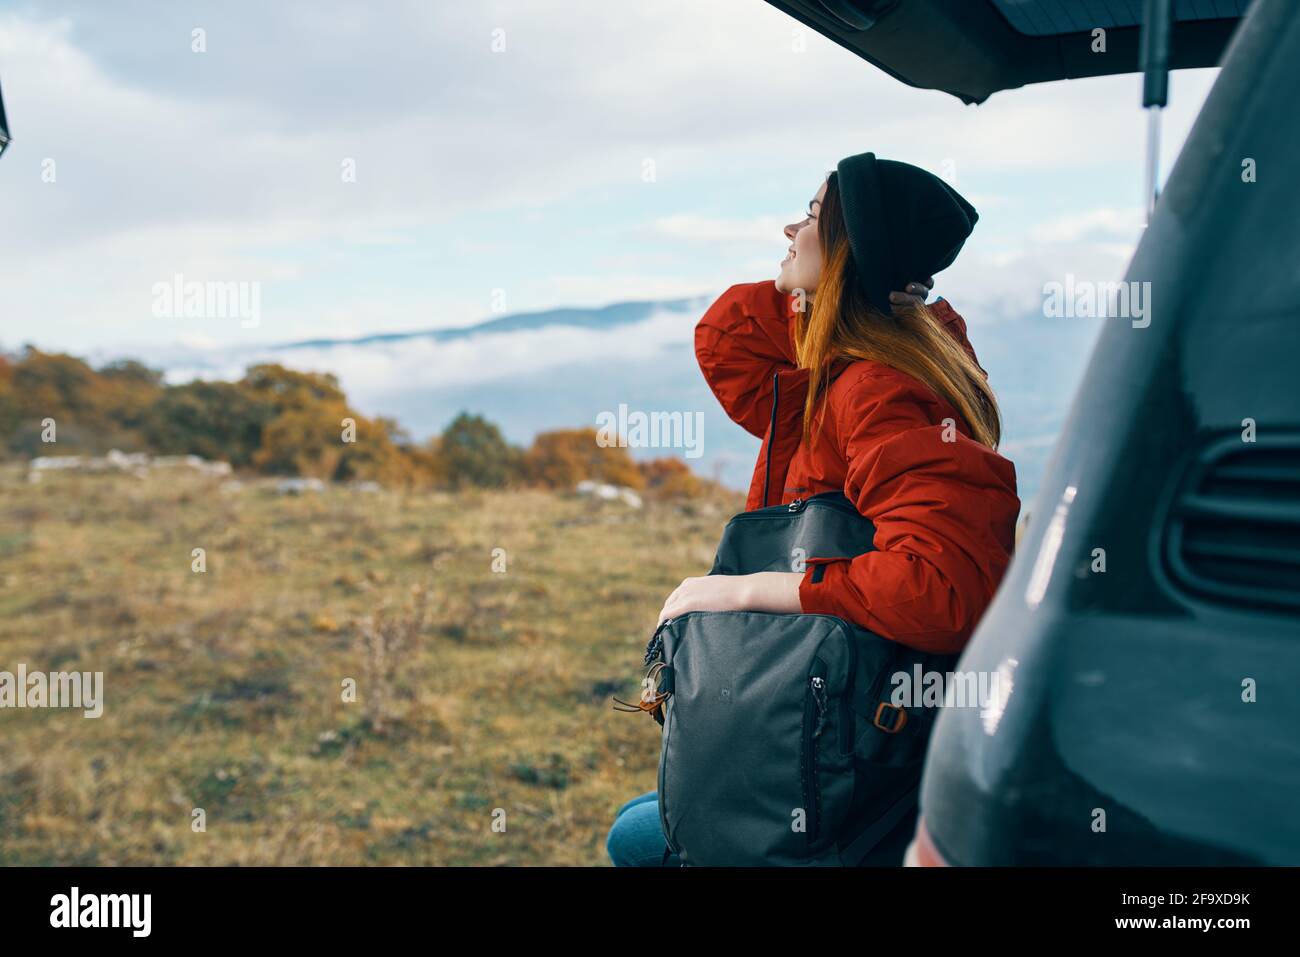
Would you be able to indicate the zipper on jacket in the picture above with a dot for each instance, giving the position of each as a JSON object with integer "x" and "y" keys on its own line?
{"x": 771, "y": 435}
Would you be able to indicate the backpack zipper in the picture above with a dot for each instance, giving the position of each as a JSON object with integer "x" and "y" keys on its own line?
{"x": 821, "y": 499}
{"x": 819, "y": 701}
{"x": 654, "y": 647}
{"x": 814, "y": 723}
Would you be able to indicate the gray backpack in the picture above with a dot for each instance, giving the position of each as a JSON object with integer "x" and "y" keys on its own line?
{"x": 780, "y": 745}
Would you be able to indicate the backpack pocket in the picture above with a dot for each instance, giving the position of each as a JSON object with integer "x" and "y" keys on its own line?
{"x": 756, "y": 762}
{"x": 824, "y": 757}
{"x": 893, "y": 724}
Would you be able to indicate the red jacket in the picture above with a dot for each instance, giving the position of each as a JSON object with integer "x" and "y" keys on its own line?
{"x": 944, "y": 511}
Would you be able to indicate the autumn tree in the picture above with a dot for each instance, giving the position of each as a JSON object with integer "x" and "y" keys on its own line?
{"x": 284, "y": 389}
{"x": 10, "y": 413}
{"x": 383, "y": 452}
{"x": 671, "y": 478}
{"x": 92, "y": 411}
{"x": 562, "y": 458}
{"x": 217, "y": 420}
{"x": 287, "y": 422}
{"x": 127, "y": 391}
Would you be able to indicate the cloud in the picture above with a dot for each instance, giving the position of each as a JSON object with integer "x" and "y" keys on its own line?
{"x": 1006, "y": 281}
{"x": 373, "y": 373}
{"x": 226, "y": 165}
{"x": 695, "y": 228}
{"x": 1103, "y": 223}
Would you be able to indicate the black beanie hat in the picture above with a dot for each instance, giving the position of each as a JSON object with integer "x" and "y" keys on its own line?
{"x": 904, "y": 223}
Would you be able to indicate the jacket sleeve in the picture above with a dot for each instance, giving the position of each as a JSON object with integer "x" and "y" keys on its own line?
{"x": 741, "y": 342}
{"x": 944, "y": 508}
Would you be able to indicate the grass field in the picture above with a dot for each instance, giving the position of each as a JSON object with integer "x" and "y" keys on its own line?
{"x": 224, "y": 689}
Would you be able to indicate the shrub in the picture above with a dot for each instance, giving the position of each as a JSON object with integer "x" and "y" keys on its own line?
{"x": 671, "y": 478}
{"x": 472, "y": 452}
{"x": 562, "y": 458}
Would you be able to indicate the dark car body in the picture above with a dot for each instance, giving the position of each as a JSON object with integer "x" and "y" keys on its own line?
{"x": 1130, "y": 690}
{"x": 1147, "y": 634}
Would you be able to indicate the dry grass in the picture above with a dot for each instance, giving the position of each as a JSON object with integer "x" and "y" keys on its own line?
{"x": 224, "y": 690}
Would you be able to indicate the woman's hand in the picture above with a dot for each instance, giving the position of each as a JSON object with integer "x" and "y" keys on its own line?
{"x": 763, "y": 591}
{"x": 916, "y": 292}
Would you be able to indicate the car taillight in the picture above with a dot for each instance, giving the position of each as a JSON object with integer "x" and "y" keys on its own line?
{"x": 921, "y": 852}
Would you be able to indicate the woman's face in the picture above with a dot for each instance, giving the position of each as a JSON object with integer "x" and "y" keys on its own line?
{"x": 802, "y": 266}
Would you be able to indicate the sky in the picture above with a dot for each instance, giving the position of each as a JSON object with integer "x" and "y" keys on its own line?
{"x": 507, "y": 157}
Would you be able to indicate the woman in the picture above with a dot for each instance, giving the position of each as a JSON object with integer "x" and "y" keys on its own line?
{"x": 856, "y": 387}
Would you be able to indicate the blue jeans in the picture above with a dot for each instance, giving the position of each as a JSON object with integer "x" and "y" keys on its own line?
{"x": 637, "y": 837}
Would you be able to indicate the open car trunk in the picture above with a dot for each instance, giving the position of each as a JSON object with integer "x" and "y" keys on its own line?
{"x": 974, "y": 48}
{"x": 1180, "y": 462}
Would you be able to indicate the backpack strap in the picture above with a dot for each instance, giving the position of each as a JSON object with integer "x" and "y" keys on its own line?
{"x": 853, "y": 853}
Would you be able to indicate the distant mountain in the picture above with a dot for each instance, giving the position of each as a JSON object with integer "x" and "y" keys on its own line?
{"x": 563, "y": 368}
{"x": 604, "y": 317}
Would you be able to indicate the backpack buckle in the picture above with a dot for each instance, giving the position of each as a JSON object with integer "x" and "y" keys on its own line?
{"x": 891, "y": 725}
